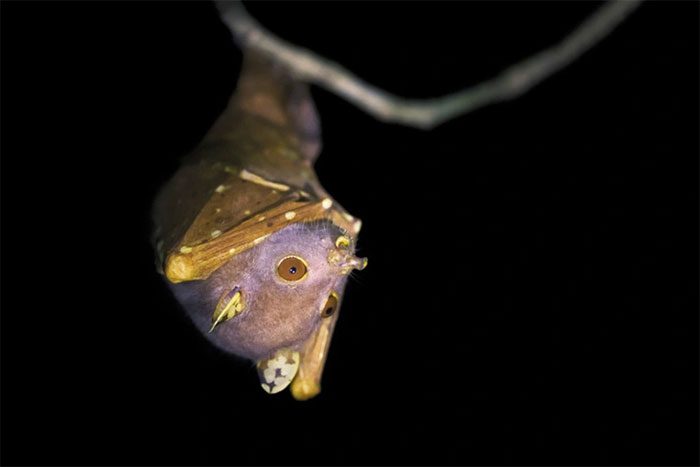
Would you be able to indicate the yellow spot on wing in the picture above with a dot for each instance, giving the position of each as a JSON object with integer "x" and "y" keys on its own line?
{"x": 289, "y": 215}
{"x": 327, "y": 203}
{"x": 186, "y": 249}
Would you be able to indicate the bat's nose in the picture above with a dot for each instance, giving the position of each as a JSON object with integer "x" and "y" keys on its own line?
{"x": 343, "y": 257}
{"x": 353, "y": 262}
{"x": 346, "y": 261}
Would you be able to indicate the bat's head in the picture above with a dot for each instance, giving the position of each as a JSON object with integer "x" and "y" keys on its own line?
{"x": 276, "y": 300}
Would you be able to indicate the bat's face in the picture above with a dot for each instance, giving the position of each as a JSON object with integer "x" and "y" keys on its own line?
{"x": 266, "y": 302}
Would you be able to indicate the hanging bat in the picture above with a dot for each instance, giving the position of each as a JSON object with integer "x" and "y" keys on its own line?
{"x": 251, "y": 245}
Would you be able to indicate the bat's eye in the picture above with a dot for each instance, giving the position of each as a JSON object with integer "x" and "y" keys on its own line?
{"x": 292, "y": 269}
{"x": 330, "y": 306}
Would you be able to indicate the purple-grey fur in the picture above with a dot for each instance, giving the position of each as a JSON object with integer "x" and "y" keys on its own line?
{"x": 277, "y": 314}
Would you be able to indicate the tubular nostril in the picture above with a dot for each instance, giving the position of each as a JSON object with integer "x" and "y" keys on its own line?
{"x": 345, "y": 261}
{"x": 357, "y": 263}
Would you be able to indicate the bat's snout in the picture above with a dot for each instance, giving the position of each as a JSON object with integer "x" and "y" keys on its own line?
{"x": 344, "y": 258}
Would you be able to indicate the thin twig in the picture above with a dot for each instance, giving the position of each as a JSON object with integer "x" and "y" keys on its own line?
{"x": 424, "y": 113}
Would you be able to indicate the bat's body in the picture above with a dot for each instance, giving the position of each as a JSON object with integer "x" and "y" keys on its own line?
{"x": 251, "y": 244}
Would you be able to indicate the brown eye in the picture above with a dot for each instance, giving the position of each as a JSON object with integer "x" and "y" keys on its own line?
{"x": 292, "y": 268}
{"x": 330, "y": 306}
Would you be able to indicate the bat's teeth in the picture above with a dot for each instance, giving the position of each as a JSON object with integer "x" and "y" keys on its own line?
{"x": 278, "y": 371}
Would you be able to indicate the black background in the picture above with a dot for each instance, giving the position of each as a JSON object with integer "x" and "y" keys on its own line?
{"x": 531, "y": 295}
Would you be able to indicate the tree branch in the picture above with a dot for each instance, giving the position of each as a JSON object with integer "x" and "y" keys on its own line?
{"x": 424, "y": 113}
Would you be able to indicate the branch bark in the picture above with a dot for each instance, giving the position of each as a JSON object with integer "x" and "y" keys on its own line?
{"x": 307, "y": 66}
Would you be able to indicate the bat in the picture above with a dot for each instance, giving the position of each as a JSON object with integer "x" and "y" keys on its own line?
{"x": 254, "y": 249}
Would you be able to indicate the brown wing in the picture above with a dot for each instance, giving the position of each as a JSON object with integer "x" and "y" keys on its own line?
{"x": 202, "y": 250}
{"x": 246, "y": 179}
